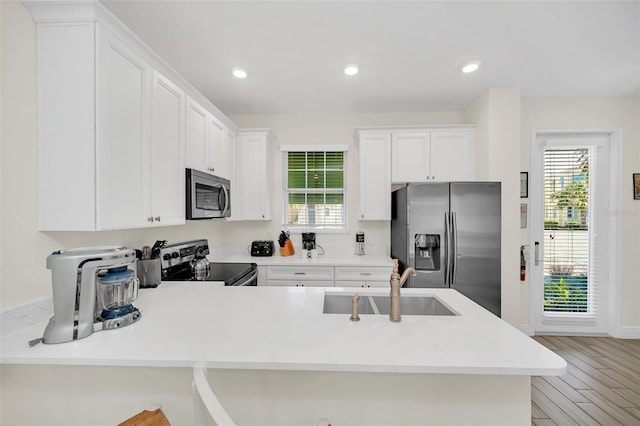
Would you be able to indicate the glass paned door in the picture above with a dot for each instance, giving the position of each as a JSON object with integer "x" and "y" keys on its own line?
{"x": 569, "y": 204}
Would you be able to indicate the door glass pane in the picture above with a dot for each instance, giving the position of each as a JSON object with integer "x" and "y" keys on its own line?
{"x": 567, "y": 288}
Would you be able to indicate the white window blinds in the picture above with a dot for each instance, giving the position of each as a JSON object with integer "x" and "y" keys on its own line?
{"x": 314, "y": 191}
{"x": 570, "y": 274}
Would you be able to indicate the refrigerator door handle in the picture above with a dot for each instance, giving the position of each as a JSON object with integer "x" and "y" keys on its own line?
{"x": 447, "y": 253}
{"x": 454, "y": 256}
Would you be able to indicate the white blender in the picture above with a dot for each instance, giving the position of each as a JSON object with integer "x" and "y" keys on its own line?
{"x": 93, "y": 288}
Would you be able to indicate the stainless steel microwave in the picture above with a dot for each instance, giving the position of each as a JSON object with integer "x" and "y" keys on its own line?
{"x": 207, "y": 196}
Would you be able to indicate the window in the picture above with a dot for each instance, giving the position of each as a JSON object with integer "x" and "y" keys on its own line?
{"x": 314, "y": 190}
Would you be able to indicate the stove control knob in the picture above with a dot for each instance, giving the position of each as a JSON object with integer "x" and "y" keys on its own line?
{"x": 167, "y": 256}
{"x": 175, "y": 255}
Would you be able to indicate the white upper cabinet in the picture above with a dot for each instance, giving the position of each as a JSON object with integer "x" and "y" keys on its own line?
{"x": 123, "y": 139}
{"x": 433, "y": 155}
{"x": 374, "y": 162}
{"x": 197, "y": 136}
{"x": 112, "y": 123}
{"x": 410, "y": 155}
{"x": 167, "y": 152}
{"x": 452, "y": 155}
{"x": 209, "y": 142}
{"x": 253, "y": 176}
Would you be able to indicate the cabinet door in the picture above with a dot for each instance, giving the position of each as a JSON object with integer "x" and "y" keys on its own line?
{"x": 410, "y": 157}
{"x": 167, "y": 152}
{"x": 124, "y": 166}
{"x": 215, "y": 146}
{"x": 452, "y": 155}
{"x": 375, "y": 176}
{"x": 251, "y": 185}
{"x": 197, "y": 134}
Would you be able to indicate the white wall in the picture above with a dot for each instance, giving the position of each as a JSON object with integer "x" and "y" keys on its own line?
{"x": 323, "y": 129}
{"x": 497, "y": 116}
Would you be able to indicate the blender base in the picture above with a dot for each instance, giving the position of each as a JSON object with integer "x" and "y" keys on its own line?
{"x": 121, "y": 321}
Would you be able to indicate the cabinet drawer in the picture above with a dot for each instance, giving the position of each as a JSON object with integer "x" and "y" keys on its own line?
{"x": 366, "y": 273}
{"x": 363, "y": 284}
{"x": 297, "y": 283}
{"x": 302, "y": 273}
{"x": 350, "y": 284}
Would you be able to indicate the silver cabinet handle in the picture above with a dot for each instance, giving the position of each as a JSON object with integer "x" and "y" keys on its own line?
{"x": 149, "y": 219}
{"x": 157, "y": 218}
{"x": 299, "y": 273}
{"x": 536, "y": 251}
{"x": 366, "y": 274}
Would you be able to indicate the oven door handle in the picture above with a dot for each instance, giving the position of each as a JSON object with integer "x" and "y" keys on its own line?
{"x": 252, "y": 277}
{"x": 226, "y": 200}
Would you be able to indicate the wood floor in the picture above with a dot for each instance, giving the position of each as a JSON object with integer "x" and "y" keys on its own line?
{"x": 601, "y": 386}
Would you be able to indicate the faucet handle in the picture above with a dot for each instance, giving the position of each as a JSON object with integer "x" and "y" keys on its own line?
{"x": 354, "y": 308}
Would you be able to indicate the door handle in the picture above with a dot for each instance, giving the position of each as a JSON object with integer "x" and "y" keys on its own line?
{"x": 447, "y": 241}
{"x": 226, "y": 200}
{"x": 454, "y": 257}
{"x": 536, "y": 255}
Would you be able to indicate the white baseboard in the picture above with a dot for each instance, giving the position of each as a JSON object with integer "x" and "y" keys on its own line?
{"x": 624, "y": 332}
{"x": 526, "y": 329}
{"x": 629, "y": 332}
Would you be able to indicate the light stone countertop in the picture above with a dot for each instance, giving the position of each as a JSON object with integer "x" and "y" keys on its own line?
{"x": 283, "y": 328}
{"x": 334, "y": 256}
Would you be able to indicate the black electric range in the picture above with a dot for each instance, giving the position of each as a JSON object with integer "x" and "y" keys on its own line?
{"x": 176, "y": 265}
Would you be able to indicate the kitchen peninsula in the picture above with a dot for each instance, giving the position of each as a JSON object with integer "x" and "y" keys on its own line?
{"x": 276, "y": 358}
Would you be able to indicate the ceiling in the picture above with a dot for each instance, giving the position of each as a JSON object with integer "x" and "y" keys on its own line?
{"x": 409, "y": 53}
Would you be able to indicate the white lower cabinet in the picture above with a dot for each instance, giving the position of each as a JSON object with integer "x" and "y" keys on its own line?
{"x": 362, "y": 276}
{"x": 300, "y": 276}
{"x": 326, "y": 276}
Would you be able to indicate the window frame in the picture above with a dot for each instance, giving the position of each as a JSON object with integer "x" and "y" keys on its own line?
{"x": 285, "y": 150}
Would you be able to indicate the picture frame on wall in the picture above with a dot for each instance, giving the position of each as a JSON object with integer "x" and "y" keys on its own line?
{"x": 636, "y": 186}
{"x": 524, "y": 184}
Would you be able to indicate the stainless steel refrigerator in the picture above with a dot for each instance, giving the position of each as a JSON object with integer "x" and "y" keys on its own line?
{"x": 450, "y": 234}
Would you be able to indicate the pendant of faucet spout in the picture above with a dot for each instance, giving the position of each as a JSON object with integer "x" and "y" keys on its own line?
{"x": 405, "y": 275}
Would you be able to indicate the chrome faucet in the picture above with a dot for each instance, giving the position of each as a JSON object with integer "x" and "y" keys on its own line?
{"x": 396, "y": 282}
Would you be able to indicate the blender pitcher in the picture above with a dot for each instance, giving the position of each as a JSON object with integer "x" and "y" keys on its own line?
{"x": 117, "y": 288}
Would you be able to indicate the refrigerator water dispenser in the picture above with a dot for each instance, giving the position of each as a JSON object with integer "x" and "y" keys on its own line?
{"x": 427, "y": 248}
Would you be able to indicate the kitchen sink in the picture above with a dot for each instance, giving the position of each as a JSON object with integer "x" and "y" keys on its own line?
{"x": 381, "y": 305}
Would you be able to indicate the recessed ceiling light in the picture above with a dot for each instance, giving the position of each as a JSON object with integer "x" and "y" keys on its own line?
{"x": 239, "y": 73}
{"x": 470, "y": 67}
{"x": 351, "y": 69}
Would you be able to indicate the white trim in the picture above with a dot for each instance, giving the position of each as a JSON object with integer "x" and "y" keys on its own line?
{"x": 628, "y": 332}
{"x": 318, "y": 147}
{"x": 613, "y": 327}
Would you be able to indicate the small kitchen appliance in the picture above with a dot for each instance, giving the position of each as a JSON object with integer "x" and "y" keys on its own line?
{"x": 93, "y": 288}
{"x": 207, "y": 196}
{"x": 308, "y": 240}
{"x": 200, "y": 265}
{"x": 359, "y": 243}
{"x": 262, "y": 248}
{"x": 187, "y": 261}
